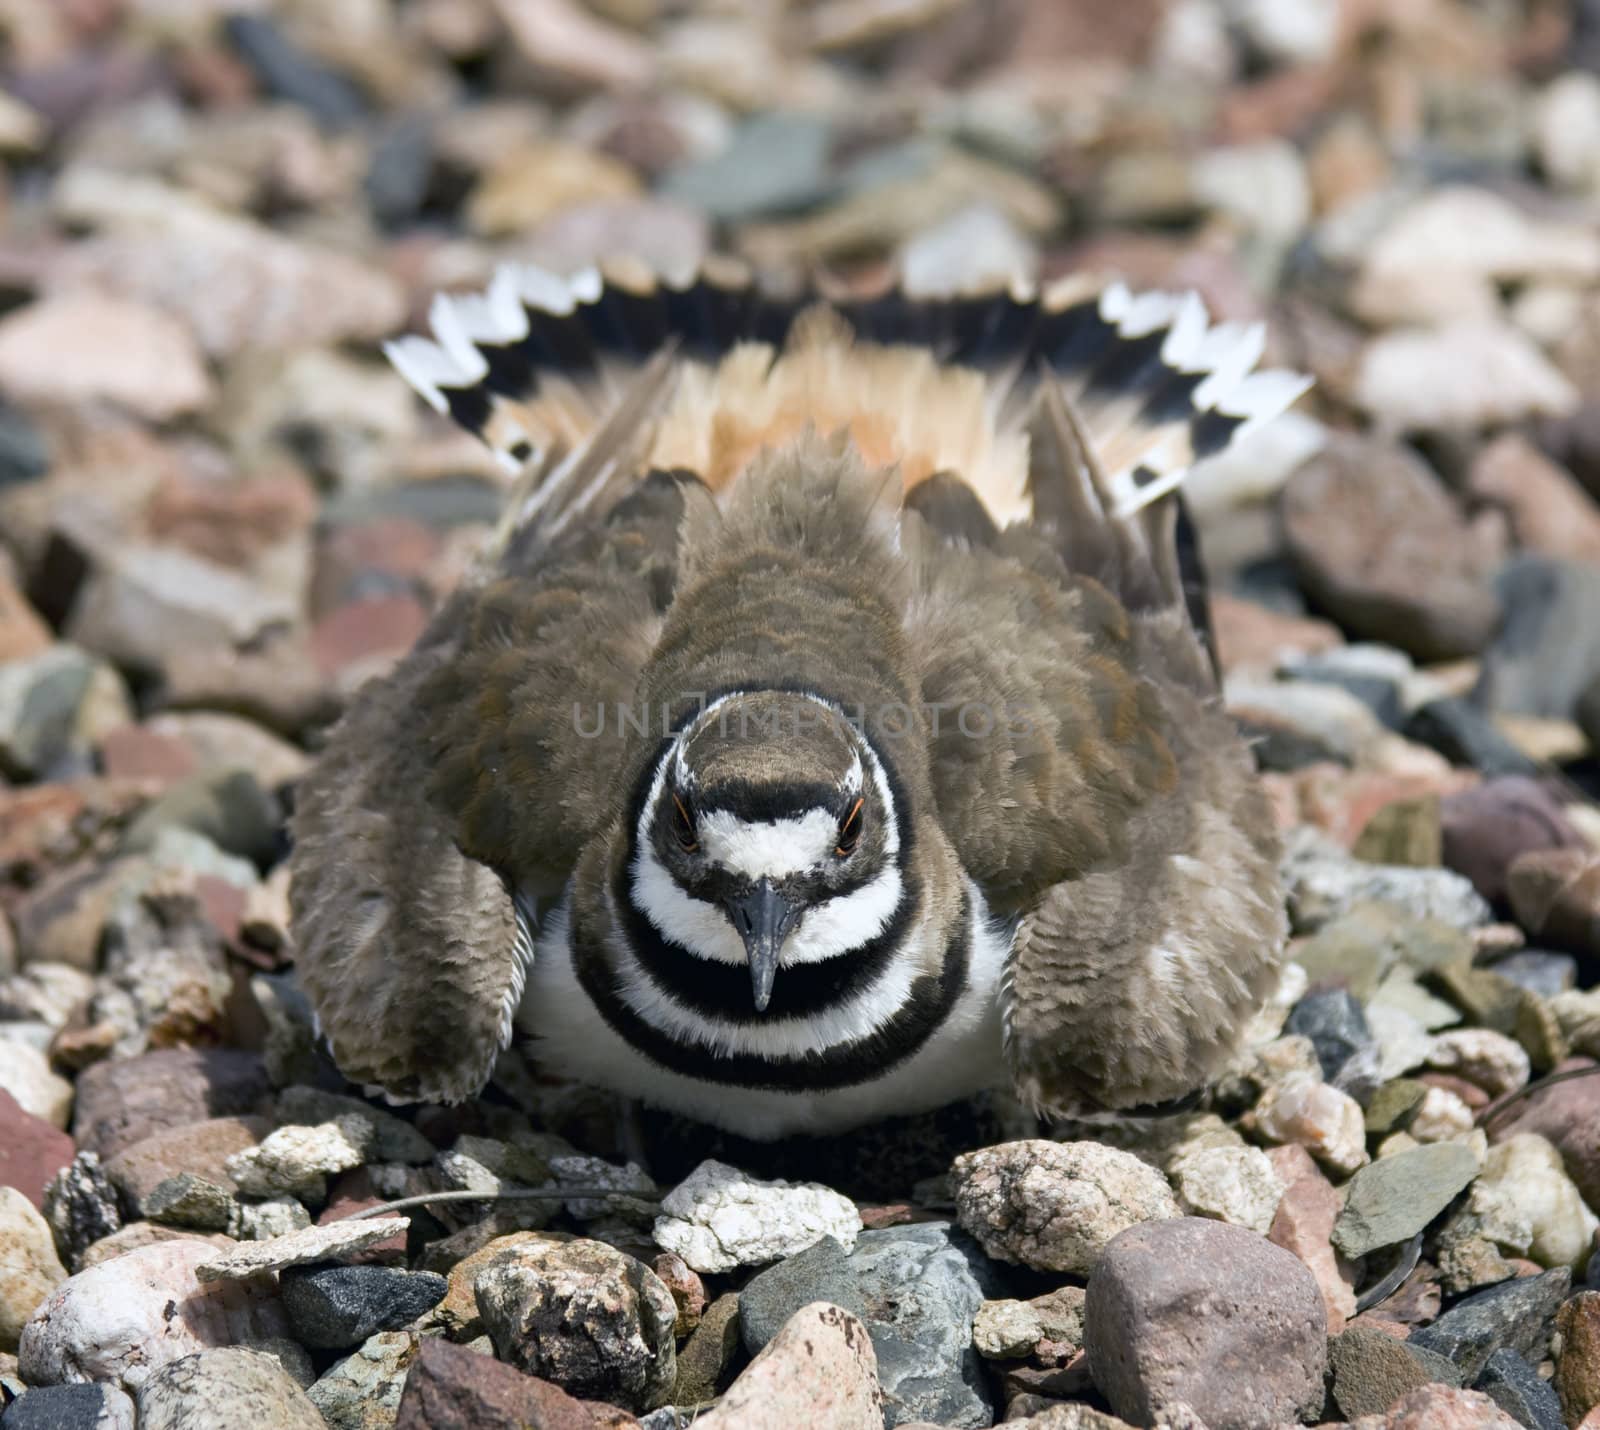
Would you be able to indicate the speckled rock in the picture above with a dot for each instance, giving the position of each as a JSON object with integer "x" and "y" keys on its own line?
{"x": 593, "y": 1320}
{"x": 1440, "y": 1407}
{"x": 123, "y": 1319}
{"x": 297, "y": 1161}
{"x": 719, "y": 1218}
{"x": 917, "y": 1289}
{"x": 1232, "y": 1184}
{"x": 71, "y": 1407}
{"x": 1006, "y": 1330}
{"x": 1577, "y": 1380}
{"x": 1055, "y": 1205}
{"x": 1493, "y": 1061}
{"x": 337, "y": 1307}
{"x": 362, "y": 1391}
{"x": 1517, "y": 1388}
{"x": 29, "y": 1267}
{"x": 1518, "y": 1314}
{"x": 1209, "y": 1315}
{"x": 1371, "y": 1370}
{"x": 1326, "y": 1122}
{"x": 819, "y": 1371}
{"x": 224, "y": 1389}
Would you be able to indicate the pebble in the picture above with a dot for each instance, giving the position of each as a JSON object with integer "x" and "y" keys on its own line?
{"x": 1392, "y": 1199}
{"x": 120, "y": 1103}
{"x": 708, "y": 1359}
{"x": 1486, "y": 829}
{"x": 1441, "y": 1116}
{"x": 1328, "y": 1123}
{"x": 363, "y": 1390}
{"x": 1171, "y": 1302}
{"x": 297, "y": 1161}
{"x": 121, "y": 1320}
{"x": 1555, "y": 895}
{"x": 1440, "y": 1407}
{"x": 1007, "y": 1330}
{"x": 381, "y": 1136}
{"x": 1523, "y": 1182}
{"x": 1517, "y": 1388}
{"x": 32, "y": 1150}
{"x": 25, "y": 1074}
{"x": 719, "y": 1218}
{"x": 71, "y": 1407}
{"x": 1334, "y": 1021}
{"x": 305, "y": 1246}
{"x": 1567, "y": 1114}
{"x": 1517, "y": 1314}
{"x": 688, "y": 1291}
{"x": 1547, "y": 650}
{"x": 1303, "y": 1225}
{"x": 819, "y": 1370}
{"x": 1491, "y": 1060}
{"x": 223, "y": 1389}
{"x": 1371, "y": 1370}
{"x": 1548, "y": 511}
{"x": 199, "y": 1148}
{"x": 1233, "y": 1184}
{"x": 29, "y": 1267}
{"x": 1577, "y": 1378}
{"x": 449, "y": 1387}
{"x": 922, "y": 1337}
{"x": 1054, "y": 1206}
{"x": 592, "y": 1319}
{"x": 338, "y": 1307}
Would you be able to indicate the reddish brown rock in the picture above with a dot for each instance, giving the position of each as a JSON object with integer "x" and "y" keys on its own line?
{"x": 688, "y": 1290}
{"x": 1578, "y": 1365}
{"x": 365, "y": 634}
{"x": 1548, "y": 510}
{"x": 230, "y": 522}
{"x": 1251, "y": 637}
{"x": 1303, "y": 1225}
{"x": 120, "y": 1103}
{"x": 451, "y": 1388}
{"x": 31, "y": 1150}
{"x": 1555, "y": 894}
{"x": 198, "y": 1147}
{"x": 1488, "y": 828}
{"x": 134, "y": 752}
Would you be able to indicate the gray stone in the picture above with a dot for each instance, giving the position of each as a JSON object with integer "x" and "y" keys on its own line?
{"x": 81, "y": 1206}
{"x": 1518, "y": 1389}
{"x": 300, "y": 1248}
{"x": 1548, "y": 649}
{"x": 1209, "y": 1316}
{"x": 337, "y": 1307}
{"x": 1395, "y": 1197}
{"x": 40, "y": 701}
{"x": 362, "y": 1391}
{"x": 1372, "y": 1370}
{"x": 70, "y": 1407}
{"x": 1539, "y": 971}
{"x": 227, "y": 806}
{"x": 1337, "y": 1027}
{"x": 1464, "y": 734}
{"x": 1516, "y": 1315}
{"x": 775, "y": 162}
{"x": 225, "y": 1389}
{"x": 1324, "y": 883}
{"x": 917, "y": 1289}
{"x": 190, "y": 1201}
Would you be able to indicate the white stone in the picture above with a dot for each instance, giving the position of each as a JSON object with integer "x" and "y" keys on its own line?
{"x": 276, "y": 1216}
{"x": 1403, "y": 1043}
{"x": 974, "y": 247}
{"x": 121, "y": 1320}
{"x": 1441, "y": 1116}
{"x": 1292, "y": 32}
{"x": 297, "y": 1160}
{"x": 718, "y": 1218}
{"x": 1326, "y": 1122}
{"x": 1231, "y": 1184}
{"x": 330, "y": 1242}
{"x": 1263, "y": 186}
{"x": 29, "y": 1267}
{"x": 1488, "y": 1059}
{"x": 1524, "y": 1192}
{"x": 1565, "y": 125}
{"x": 25, "y": 1073}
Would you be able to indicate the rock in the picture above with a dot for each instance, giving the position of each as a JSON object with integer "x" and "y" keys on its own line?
{"x": 54, "y": 707}
{"x": 1233, "y": 1184}
{"x": 120, "y": 1103}
{"x": 1316, "y": 717}
{"x": 1052, "y": 1205}
{"x": 922, "y": 1338}
{"x": 1380, "y": 546}
{"x": 1549, "y": 513}
{"x": 277, "y": 1216}
{"x": 362, "y": 1391}
{"x": 1487, "y": 828}
{"x": 296, "y": 1161}
{"x": 1325, "y": 1121}
{"x": 380, "y": 1135}
{"x": 123, "y": 1319}
{"x": 1567, "y": 1114}
{"x": 1542, "y": 973}
{"x": 1323, "y": 886}
{"x": 538, "y": 179}
{"x": 1440, "y": 1407}
{"x": 299, "y": 1248}
{"x": 193, "y": 1202}
{"x": 1395, "y": 1197}
{"x": 289, "y": 73}
{"x": 1371, "y": 1370}
{"x": 337, "y": 1307}
{"x": 75, "y": 348}
{"x": 26, "y": 1076}
{"x": 32, "y": 1150}
{"x": 709, "y": 1358}
{"x": 452, "y": 1388}
{"x": 137, "y": 1234}
{"x": 223, "y": 1389}
{"x": 1207, "y": 1314}
{"x": 1556, "y": 896}
{"x": 1251, "y": 637}
{"x": 1006, "y": 1330}
{"x": 818, "y": 1370}
{"x": 584, "y": 1315}
{"x": 1518, "y": 1314}
{"x": 458, "y": 1313}
{"x": 198, "y": 1148}
{"x": 1577, "y": 1379}
{"x": 29, "y": 1267}
{"x": 1303, "y": 1225}
{"x": 1336, "y": 1025}
{"x": 1547, "y": 650}
{"x": 71, "y": 1407}
{"x": 971, "y": 248}
{"x": 227, "y": 806}
{"x": 1489, "y": 1059}
{"x": 688, "y": 1291}
{"x": 719, "y": 1218}
{"x": 1519, "y": 1390}
{"x": 1465, "y": 375}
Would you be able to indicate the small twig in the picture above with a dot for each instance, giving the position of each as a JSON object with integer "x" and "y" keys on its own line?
{"x": 1521, "y": 1094}
{"x": 528, "y": 1194}
{"x": 1404, "y": 1265}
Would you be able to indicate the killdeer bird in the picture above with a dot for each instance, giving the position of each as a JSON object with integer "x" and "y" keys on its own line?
{"x": 829, "y": 731}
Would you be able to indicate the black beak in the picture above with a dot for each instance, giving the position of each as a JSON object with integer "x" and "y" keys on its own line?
{"x": 763, "y": 917}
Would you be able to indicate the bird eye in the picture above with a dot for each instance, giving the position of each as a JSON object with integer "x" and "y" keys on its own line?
{"x": 683, "y": 827}
{"x": 850, "y": 830}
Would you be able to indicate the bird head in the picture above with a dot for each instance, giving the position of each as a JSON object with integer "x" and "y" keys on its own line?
{"x": 769, "y": 837}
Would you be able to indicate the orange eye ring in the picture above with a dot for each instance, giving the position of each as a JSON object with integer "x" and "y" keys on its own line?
{"x": 683, "y": 828}
{"x": 850, "y": 830}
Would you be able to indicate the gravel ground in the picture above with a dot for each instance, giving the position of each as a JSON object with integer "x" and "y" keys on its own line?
{"x": 220, "y": 513}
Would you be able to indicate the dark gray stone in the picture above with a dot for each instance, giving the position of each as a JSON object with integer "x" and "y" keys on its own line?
{"x": 333, "y": 1308}
{"x": 70, "y": 1407}
{"x": 288, "y": 72}
{"x": 400, "y": 170}
{"x": 1548, "y": 647}
{"x": 1516, "y": 1315}
{"x": 1372, "y": 1370}
{"x": 1464, "y": 735}
{"x": 917, "y": 1289}
{"x": 81, "y": 1206}
{"x": 1518, "y": 1389}
{"x": 1332, "y": 1018}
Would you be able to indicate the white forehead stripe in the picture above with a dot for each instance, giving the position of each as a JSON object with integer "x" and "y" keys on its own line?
{"x": 769, "y": 849}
